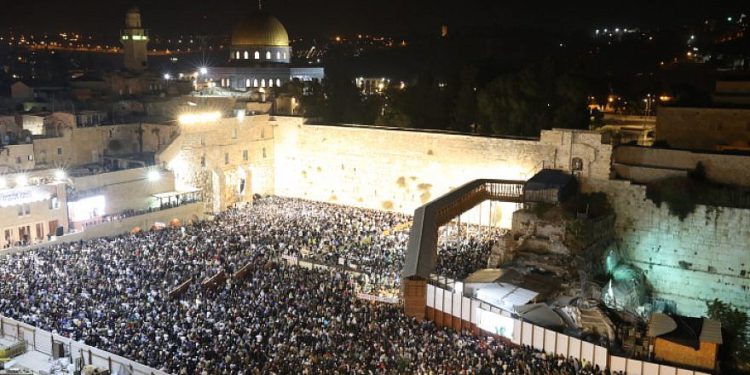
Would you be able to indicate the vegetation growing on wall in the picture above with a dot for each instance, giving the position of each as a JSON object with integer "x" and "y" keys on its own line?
{"x": 585, "y": 225}
{"x": 735, "y": 351}
{"x": 683, "y": 194}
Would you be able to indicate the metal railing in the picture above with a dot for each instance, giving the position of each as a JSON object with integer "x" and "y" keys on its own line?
{"x": 421, "y": 252}
{"x": 44, "y": 341}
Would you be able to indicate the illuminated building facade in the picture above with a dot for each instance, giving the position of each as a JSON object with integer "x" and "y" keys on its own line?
{"x": 32, "y": 208}
{"x": 259, "y": 58}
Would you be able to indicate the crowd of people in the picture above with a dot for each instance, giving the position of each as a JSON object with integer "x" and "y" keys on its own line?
{"x": 114, "y": 293}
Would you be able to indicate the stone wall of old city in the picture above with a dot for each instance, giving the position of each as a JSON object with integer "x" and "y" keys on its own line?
{"x": 702, "y": 128}
{"x": 401, "y": 170}
{"x": 689, "y": 262}
{"x": 662, "y": 162}
{"x": 230, "y": 159}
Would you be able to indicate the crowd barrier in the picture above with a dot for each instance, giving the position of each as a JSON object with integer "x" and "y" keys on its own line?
{"x": 182, "y": 288}
{"x": 43, "y": 341}
{"x": 214, "y": 281}
{"x": 448, "y": 308}
{"x": 381, "y": 299}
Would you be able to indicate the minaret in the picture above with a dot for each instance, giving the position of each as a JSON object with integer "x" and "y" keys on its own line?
{"x": 134, "y": 41}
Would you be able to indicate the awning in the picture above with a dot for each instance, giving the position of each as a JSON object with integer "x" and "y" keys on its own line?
{"x": 540, "y": 314}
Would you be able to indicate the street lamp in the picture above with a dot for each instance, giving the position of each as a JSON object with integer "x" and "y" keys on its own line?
{"x": 60, "y": 175}
{"x": 153, "y": 175}
{"x": 21, "y": 180}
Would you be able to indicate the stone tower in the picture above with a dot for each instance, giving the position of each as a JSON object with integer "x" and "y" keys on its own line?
{"x": 134, "y": 41}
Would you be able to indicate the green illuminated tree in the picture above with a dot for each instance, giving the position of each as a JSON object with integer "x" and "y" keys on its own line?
{"x": 736, "y": 348}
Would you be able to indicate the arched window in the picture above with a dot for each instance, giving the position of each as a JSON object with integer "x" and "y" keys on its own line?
{"x": 247, "y": 82}
{"x": 278, "y": 82}
{"x": 237, "y": 55}
{"x": 278, "y": 55}
{"x": 255, "y": 82}
{"x": 263, "y": 82}
{"x": 247, "y": 55}
{"x": 268, "y": 55}
{"x": 285, "y": 55}
{"x": 257, "y": 55}
{"x": 270, "y": 82}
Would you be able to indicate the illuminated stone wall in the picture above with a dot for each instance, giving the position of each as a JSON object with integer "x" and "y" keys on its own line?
{"x": 706, "y": 256}
{"x": 401, "y": 170}
{"x": 721, "y": 168}
{"x": 217, "y": 156}
{"x": 126, "y": 189}
{"x": 79, "y": 146}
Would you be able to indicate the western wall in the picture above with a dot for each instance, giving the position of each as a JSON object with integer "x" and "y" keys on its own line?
{"x": 400, "y": 170}
{"x": 394, "y": 169}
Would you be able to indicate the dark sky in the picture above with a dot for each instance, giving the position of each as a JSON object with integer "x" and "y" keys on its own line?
{"x": 330, "y": 17}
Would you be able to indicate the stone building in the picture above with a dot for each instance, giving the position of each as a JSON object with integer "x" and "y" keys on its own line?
{"x": 72, "y": 178}
{"x": 134, "y": 39}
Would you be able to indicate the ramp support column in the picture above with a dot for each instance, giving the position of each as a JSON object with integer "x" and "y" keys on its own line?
{"x": 415, "y": 297}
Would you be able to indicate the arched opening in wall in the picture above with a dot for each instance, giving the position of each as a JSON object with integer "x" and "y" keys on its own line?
{"x": 278, "y": 82}
{"x": 255, "y": 82}
{"x": 268, "y": 55}
{"x": 237, "y": 55}
{"x": 263, "y": 82}
{"x": 284, "y": 55}
{"x": 247, "y": 55}
{"x": 270, "y": 82}
{"x": 576, "y": 164}
{"x": 247, "y": 82}
{"x": 257, "y": 55}
{"x": 278, "y": 55}
{"x": 243, "y": 183}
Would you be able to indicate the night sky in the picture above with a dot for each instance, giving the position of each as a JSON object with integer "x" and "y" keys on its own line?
{"x": 331, "y": 17}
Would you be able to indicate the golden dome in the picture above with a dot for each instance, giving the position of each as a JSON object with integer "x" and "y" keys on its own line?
{"x": 260, "y": 29}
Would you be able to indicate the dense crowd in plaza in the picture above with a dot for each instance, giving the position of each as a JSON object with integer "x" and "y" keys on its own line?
{"x": 113, "y": 293}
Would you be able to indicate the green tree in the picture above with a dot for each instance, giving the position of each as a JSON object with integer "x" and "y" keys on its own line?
{"x": 394, "y": 110}
{"x": 538, "y": 97}
{"x": 465, "y": 111}
{"x": 312, "y": 102}
{"x": 342, "y": 101}
{"x": 736, "y": 349}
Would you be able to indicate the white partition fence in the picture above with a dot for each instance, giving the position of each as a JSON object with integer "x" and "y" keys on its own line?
{"x": 42, "y": 341}
{"x": 495, "y": 321}
{"x": 453, "y": 305}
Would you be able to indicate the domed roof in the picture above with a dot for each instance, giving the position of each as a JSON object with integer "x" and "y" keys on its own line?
{"x": 260, "y": 29}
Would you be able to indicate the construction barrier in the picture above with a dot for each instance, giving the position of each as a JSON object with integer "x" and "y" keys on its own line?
{"x": 450, "y": 308}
